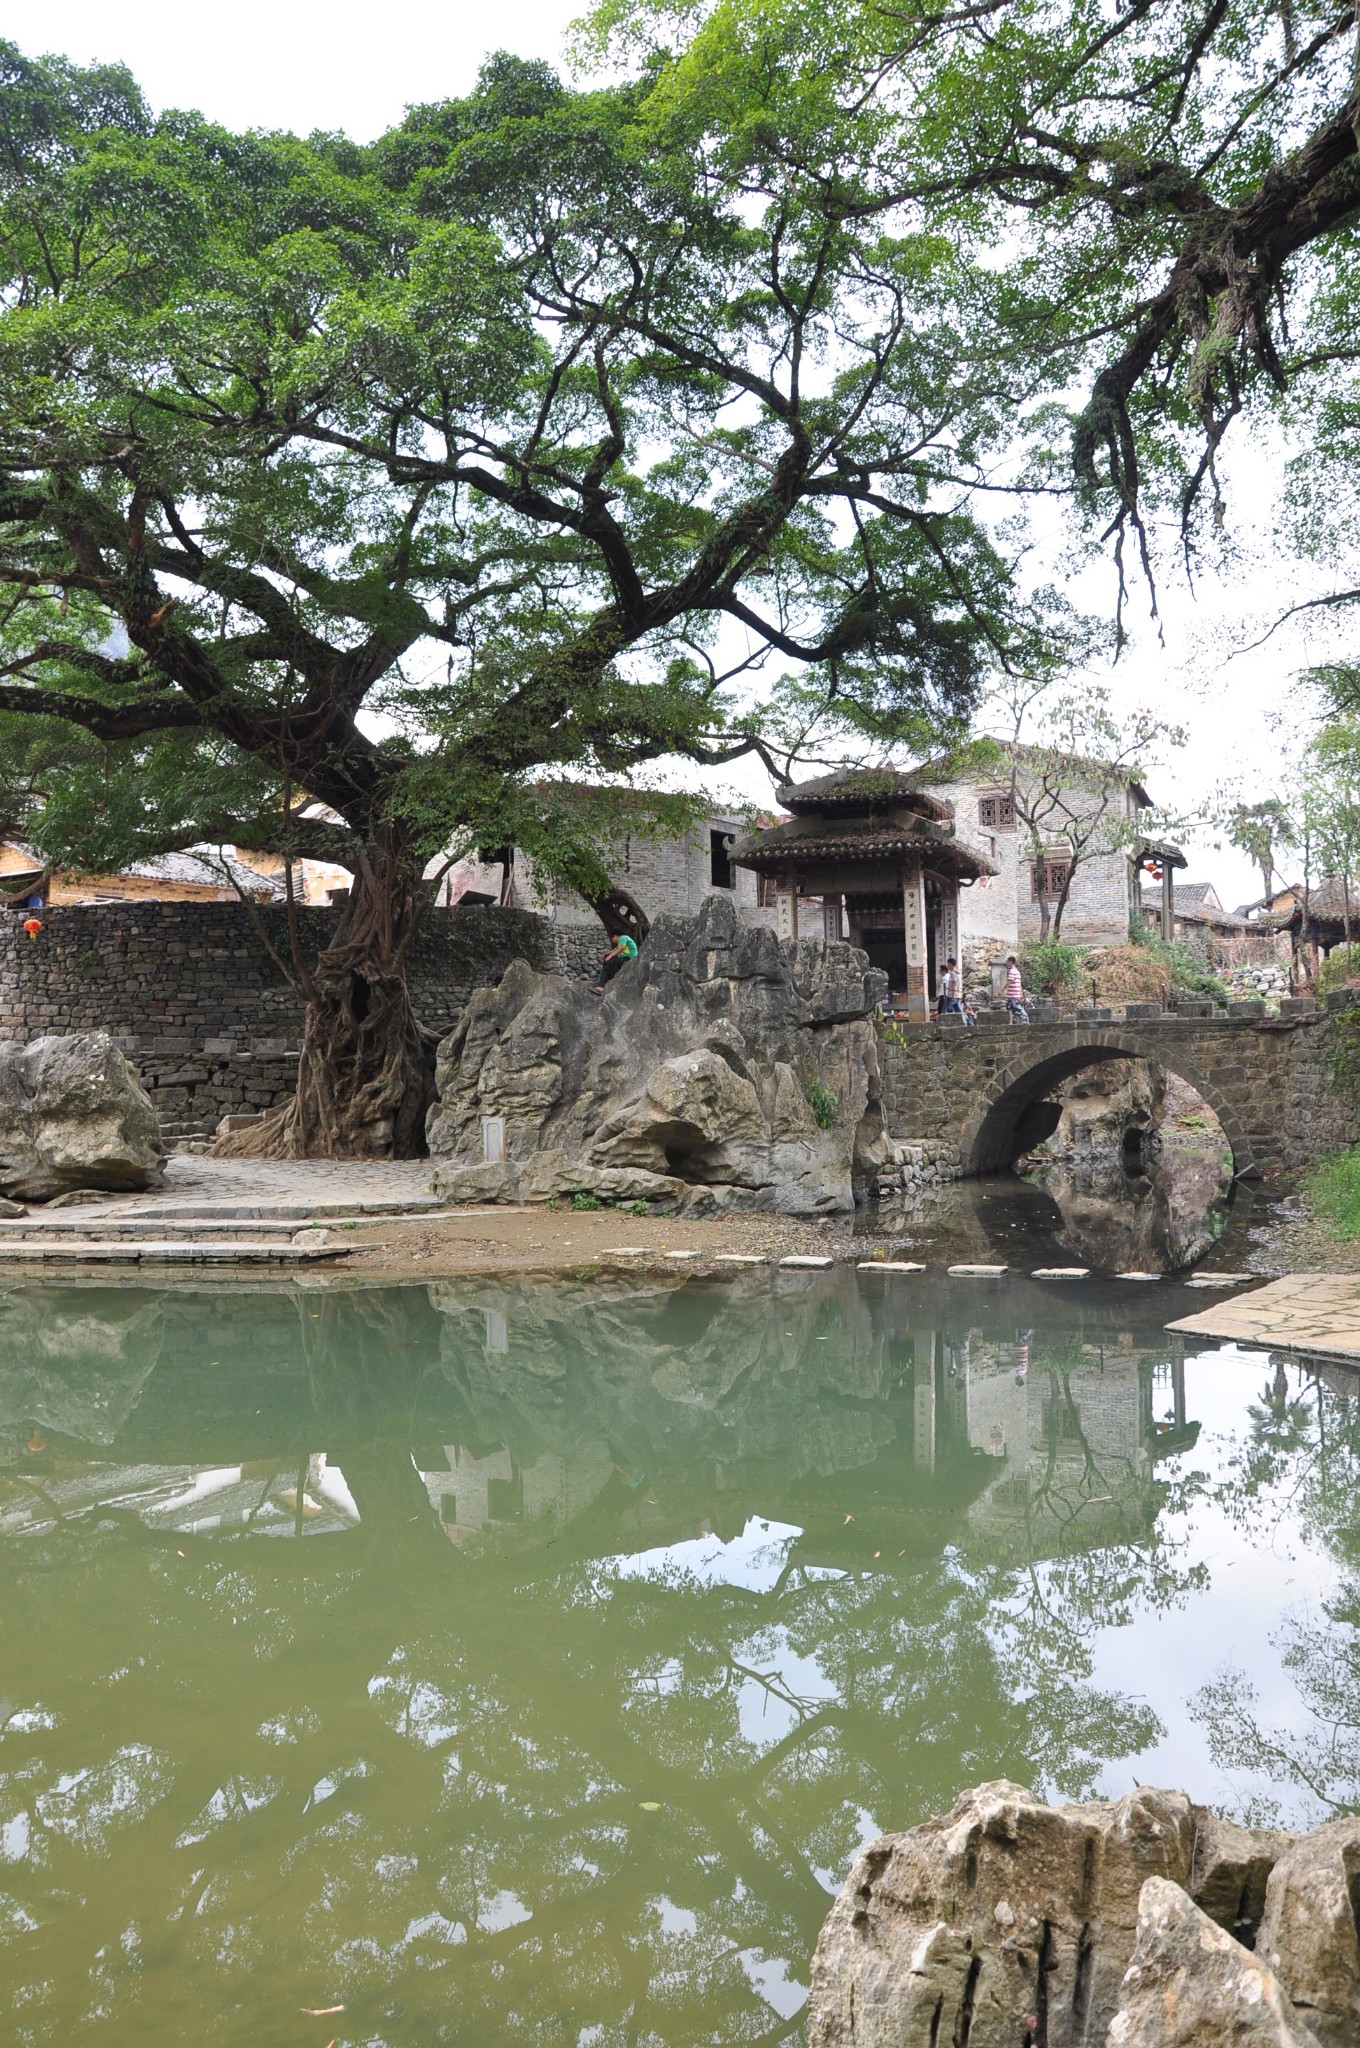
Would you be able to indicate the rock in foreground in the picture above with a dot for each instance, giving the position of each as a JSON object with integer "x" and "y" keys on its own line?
{"x": 1190, "y": 1985}
{"x": 720, "y": 1069}
{"x": 1122, "y": 1925}
{"x": 74, "y": 1115}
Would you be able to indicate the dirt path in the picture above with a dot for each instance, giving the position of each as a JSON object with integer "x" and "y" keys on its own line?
{"x": 538, "y": 1239}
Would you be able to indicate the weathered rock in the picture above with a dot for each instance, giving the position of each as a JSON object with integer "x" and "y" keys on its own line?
{"x": 1003, "y": 1915}
{"x": 1190, "y": 1985}
{"x": 692, "y": 1079}
{"x": 1309, "y": 1932}
{"x": 73, "y": 1115}
{"x": 1102, "y": 1103}
{"x": 1231, "y": 1868}
{"x": 11, "y": 1210}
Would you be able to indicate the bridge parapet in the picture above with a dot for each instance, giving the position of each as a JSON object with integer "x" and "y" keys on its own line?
{"x": 1269, "y": 1079}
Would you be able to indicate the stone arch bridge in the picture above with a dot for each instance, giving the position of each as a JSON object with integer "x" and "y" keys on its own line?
{"x": 1268, "y": 1079}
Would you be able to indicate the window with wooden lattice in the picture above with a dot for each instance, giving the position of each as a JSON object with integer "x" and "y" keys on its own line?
{"x": 996, "y": 813}
{"x": 1048, "y": 879}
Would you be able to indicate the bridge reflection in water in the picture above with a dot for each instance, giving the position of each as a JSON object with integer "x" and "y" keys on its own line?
{"x": 499, "y": 1655}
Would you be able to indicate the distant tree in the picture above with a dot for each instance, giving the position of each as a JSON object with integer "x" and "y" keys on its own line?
{"x": 1259, "y": 830}
{"x": 1069, "y": 766}
{"x": 1329, "y": 804}
{"x": 363, "y": 503}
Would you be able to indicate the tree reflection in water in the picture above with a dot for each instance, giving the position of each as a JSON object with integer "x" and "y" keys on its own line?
{"x": 1298, "y": 1473}
{"x": 623, "y": 1612}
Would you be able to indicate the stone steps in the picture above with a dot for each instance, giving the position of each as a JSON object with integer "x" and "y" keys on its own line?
{"x": 206, "y": 1230}
{"x": 159, "y": 1214}
{"x": 172, "y": 1252}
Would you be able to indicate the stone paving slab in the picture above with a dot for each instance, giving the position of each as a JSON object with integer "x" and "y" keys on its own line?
{"x": 1313, "y": 1312}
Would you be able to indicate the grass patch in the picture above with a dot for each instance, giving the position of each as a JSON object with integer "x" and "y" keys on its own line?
{"x": 1334, "y": 1192}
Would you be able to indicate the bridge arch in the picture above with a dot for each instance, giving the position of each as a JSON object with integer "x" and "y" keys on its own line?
{"x": 989, "y": 1139}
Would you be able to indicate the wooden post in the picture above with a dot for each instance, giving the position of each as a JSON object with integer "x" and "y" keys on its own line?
{"x": 1168, "y": 903}
{"x": 914, "y": 933}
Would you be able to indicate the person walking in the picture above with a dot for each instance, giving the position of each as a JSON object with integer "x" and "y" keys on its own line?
{"x": 1015, "y": 993}
{"x": 951, "y": 989}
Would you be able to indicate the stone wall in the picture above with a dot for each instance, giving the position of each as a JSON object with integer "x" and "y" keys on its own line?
{"x": 1268, "y": 1079}
{"x": 191, "y": 995}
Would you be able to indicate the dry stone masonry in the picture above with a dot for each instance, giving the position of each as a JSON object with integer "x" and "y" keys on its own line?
{"x": 1269, "y": 1079}
{"x": 191, "y": 997}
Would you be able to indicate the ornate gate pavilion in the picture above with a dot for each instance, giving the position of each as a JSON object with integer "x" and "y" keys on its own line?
{"x": 883, "y": 860}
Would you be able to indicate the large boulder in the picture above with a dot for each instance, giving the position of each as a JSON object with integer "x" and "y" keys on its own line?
{"x": 1190, "y": 1985}
{"x": 972, "y": 1925}
{"x": 74, "y": 1115}
{"x": 1007, "y": 1915}
{"x": 721, "y": 1068}
{"x": 1309, "y": 1932}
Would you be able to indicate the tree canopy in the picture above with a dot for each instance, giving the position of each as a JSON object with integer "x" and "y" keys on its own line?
{"x": 364, "y": 502}
{"x": 1170, "y": 187}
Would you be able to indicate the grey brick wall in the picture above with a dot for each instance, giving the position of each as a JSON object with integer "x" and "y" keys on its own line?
{"x": 194, "y": 999}
{"x": 670, "y": 876}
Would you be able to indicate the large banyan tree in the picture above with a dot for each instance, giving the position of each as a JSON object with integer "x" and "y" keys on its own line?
{"x": 373, "y": 503}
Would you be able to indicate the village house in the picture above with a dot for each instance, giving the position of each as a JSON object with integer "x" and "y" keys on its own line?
{"x": 661, "y": 875}
{"x": 1105, "y": 892}
{"x": 869, "y": 856}
{"x": 207, "y": 874}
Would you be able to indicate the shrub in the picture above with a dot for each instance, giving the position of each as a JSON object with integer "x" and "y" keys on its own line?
{"x": 1340, "y": 968}
{"x": 583, "y": 1199}
{"x": 1334, "y": 1190}
{"x": 822, "y": 1102}
{"x": 1048, "y": 967}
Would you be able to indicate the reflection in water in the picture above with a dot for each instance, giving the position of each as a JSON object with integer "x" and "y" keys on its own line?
{"x": 641, "y": 1605}
{"x": 1158, "y": 1219}
{"x": 1140, "y": 1169}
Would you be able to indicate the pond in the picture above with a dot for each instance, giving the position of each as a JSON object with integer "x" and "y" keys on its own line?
{"x": 526, "y": 1661}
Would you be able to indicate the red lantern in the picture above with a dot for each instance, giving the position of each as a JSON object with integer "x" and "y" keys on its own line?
{"x": 33, "y": 925}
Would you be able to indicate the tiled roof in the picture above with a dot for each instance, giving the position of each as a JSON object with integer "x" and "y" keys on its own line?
{"x": 776, "y": 849}
{"x": 859, "y": 788}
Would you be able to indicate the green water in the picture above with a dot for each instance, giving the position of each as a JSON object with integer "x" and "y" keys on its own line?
{"x": 525, "y": 1662}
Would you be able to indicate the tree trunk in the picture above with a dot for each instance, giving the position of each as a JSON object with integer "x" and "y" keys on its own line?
{"x": 620, "y": 913}
{"x": 366, "y": 1076}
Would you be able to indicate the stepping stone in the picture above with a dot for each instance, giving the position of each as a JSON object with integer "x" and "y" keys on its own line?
{"x": 889, "y": 1266}
{"x": 740, "y": 1259}
{"x": 624, "y": 1251}
{"x": 1221, "y": 1279}
{"x": 1061, "y": 1273}
{"x": 977, "y": 1272}
{"x": 684, "y": 1255}
{"x": 1138, "y": 1276}
{"x": 798, "y": 1259}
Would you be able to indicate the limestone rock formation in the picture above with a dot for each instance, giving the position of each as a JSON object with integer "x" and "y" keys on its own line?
{"x": 1309, "y": 1932}
{"x": 74, "y": 1115}
{"x": 1190, "y": 1985}
{"x": 1148, "y": 1923}
{"x": 1007, "y": 1920}
{"x": 973, "y": 1925}
{"x": 720, "y": 1069}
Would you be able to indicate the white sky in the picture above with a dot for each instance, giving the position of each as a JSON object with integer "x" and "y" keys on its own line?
{"x": 354, "y": 68}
